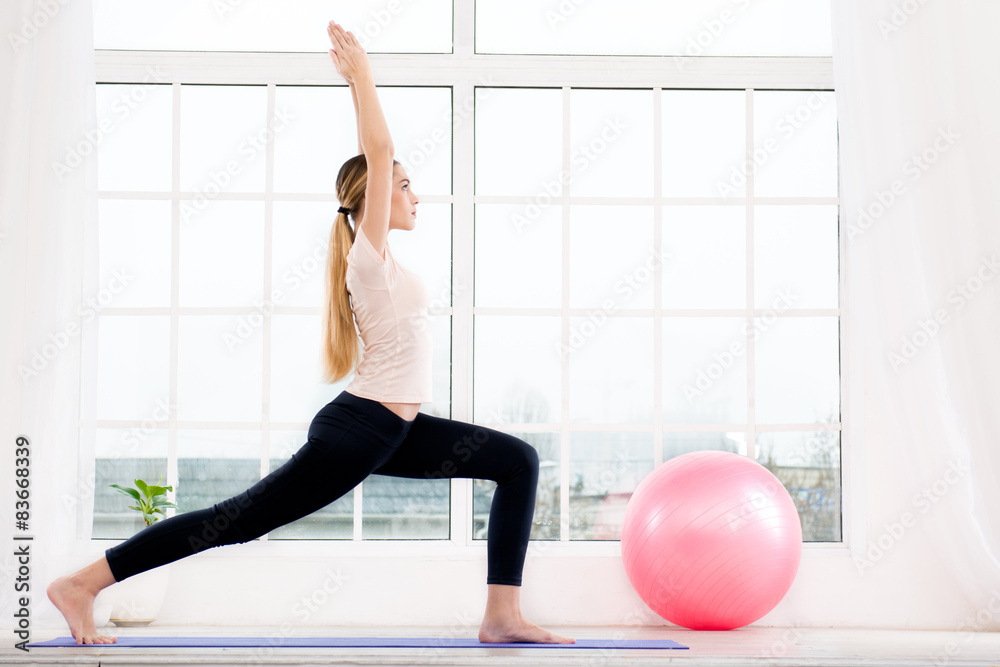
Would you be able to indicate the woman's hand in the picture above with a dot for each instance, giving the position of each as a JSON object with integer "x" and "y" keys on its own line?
{"x": 347, "y": 54}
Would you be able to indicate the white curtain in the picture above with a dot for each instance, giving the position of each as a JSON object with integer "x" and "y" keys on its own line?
{"x": 47, "y": 115}
{"x": 918, "y": 98}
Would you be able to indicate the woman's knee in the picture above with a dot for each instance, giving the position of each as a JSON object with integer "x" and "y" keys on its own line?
{"x": 521, "y": 457}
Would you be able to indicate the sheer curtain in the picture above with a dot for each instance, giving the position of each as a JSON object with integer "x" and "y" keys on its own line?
{"x": 48, "y": 200}
{"x": 918, "y": 101}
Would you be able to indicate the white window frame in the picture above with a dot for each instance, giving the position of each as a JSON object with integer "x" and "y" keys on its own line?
{"x": 464, "y": 70}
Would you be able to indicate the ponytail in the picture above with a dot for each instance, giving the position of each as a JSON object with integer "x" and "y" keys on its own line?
{"x": 340, "y": 344}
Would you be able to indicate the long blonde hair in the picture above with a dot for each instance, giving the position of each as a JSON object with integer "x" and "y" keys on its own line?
{"x": 341, "y": 347}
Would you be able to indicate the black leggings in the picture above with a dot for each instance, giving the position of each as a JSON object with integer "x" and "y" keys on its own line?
{"x": 350, "y": 438}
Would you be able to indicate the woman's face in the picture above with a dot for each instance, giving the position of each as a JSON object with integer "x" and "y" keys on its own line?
{"x": 403, "y": 204}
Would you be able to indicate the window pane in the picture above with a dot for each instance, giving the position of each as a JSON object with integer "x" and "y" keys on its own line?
{"x": 320, "y": 135}
{"x": 400, "y": 508}
{"x": 214, "y": 465}
{"x": 796, "y": 254}
{"x": 441, "y": 333}
{"x": 533, "y": 243}
{"x": 611, "y": 133}
{"x": 224, "y": 131}
{"x": 612, "y": 261}
{"x": 421, "y": 124}
{"x": 297, "y": 391}
{"x": 135, "y": 251}
{"x": 611, "y": 377}
{"x": 134, "y": 154}
{"x": 704, "y": 370}
{"x": 527, "y": 161}
{"x": 679, "y": 442}
{"x": 795, "y": 143}
{"x": 798, "y": 369}
{"x": 121, "y": 456}
{"x": 604, "y": 469}
{"x": 300, "y": 237}
{"x": 218, "y": 374}
{"x": 426, "y": 250}
{"x": 545, "y": 525}
{"x": 517, "y": 369}
{"x": 415, "y": 26}
{"x": 704, "y": 143}
{"x": 133, "y": 366}
{"x": 808, "y": 465}
{"x": 705, "y": 263}
{"x": 222, "y": 255}
{"x": 332, "y": 522}
{"x": 655, "y": 27}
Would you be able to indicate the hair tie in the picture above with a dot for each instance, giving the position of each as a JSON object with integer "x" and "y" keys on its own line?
{"x": 343, "y": 210}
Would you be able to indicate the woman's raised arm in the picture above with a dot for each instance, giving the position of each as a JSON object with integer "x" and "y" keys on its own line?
{"x": 373, "y": 133}
{"x": 357, "y": 114}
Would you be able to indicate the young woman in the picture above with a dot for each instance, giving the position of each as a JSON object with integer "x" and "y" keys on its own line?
{"x": 374, "y": 425}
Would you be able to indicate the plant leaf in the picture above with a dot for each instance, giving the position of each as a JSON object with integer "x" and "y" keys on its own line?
{"x": 142, "y": 486}
{"x": 128, "y": 491}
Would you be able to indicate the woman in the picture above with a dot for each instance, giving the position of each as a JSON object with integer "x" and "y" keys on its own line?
{"x": 374, "y": 425}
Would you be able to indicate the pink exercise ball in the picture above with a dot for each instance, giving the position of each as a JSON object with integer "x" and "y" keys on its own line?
{"x": 711, "y": 540}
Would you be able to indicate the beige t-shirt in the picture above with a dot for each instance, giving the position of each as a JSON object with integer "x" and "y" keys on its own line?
{"x": 390, "y": 307}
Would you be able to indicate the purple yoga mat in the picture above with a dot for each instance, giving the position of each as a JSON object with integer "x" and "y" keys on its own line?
{"x": 353, "y": 642}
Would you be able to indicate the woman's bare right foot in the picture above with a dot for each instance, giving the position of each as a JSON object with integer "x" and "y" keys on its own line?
{"x": 518, "y": 630}
{"x": 76, "y": 603}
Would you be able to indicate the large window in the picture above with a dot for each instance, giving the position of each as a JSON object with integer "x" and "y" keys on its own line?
{"x": 628, "y": 257}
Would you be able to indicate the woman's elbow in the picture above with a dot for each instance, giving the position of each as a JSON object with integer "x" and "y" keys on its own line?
{"x": 381, "y": 149}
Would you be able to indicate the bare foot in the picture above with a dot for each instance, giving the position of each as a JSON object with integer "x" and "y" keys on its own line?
{"x": 518, "y": 630}
{"x": 77, "y": 606}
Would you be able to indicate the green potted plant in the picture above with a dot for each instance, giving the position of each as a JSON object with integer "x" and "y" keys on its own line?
{"x": 151, "y": 499}
{"x": 136, "y": 600}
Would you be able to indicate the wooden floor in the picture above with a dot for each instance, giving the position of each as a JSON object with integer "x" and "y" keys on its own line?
{"x": 746, "y": 646}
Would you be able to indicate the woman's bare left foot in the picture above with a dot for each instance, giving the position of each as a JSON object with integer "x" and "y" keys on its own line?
{"x": 519, "y": 630}
{"x": 77, "y": 606}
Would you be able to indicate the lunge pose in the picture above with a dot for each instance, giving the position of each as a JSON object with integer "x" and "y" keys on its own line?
{"x": 374, "y": 424}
